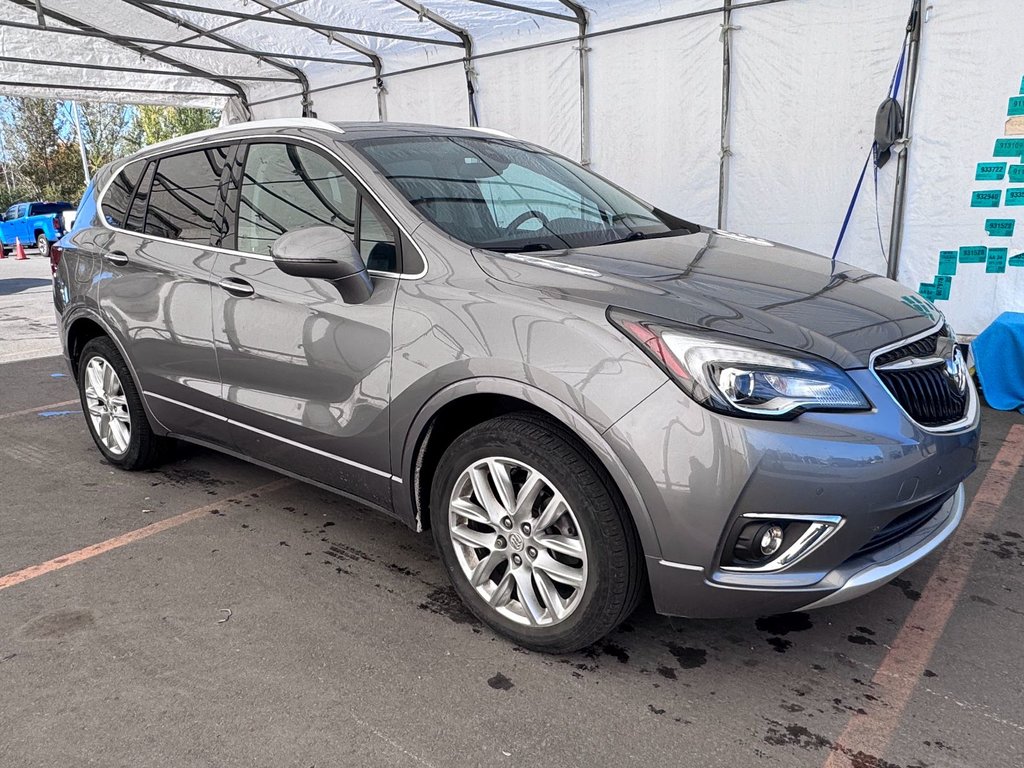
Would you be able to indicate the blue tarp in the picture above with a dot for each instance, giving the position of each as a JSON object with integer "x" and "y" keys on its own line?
{"x": 999, "y": 361}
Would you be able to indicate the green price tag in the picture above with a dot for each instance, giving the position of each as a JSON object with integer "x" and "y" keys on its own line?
{"x": 990, "y": 171}
{"x": 986, "y": 198}
{"x": 1009, "y": 148}
{"x": 973, "y": 254}
{"x": 1015, "y": 196}
{"x": 1016, "y": 106}
{"x": 943, "y": 285}
{"x": 996, "y": 260}
{"x": 927, "y": 291}
{"x": 1017, "y": 261}
{"x": 947, "y": 262}
{"x": 1017, "y": 174}
{"x": 1000, "y": 227}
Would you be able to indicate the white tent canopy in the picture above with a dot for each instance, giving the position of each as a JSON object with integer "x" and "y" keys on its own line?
{"x": 636, "y": 88}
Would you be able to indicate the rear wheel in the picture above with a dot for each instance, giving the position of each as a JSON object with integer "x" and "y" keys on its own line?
{"x": 113, "y": 408}
{"x": 535, "y": 537}
{"x": 43, "y": 245}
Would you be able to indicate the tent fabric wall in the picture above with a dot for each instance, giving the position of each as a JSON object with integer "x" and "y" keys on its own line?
{"x": 971, "y": 65}
{"x": 807, "y": 77}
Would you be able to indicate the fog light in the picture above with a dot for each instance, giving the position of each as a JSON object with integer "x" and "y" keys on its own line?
{"x": 770, "y": 539}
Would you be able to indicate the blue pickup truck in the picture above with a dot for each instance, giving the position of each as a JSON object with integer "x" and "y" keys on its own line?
{"x": 34, "y": 224}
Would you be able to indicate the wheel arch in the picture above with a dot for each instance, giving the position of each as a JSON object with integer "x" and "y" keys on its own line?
{"x": 84, "y": 327}
{"x": 464, "y": 404}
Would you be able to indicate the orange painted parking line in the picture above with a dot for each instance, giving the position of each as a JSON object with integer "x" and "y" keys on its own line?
{"x": 904, "y": 664}
{"x": 39, "y": 408}
{"x": 138, "y": 534}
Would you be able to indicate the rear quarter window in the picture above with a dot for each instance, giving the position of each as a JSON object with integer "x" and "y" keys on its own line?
{"x": 118, "y": 194}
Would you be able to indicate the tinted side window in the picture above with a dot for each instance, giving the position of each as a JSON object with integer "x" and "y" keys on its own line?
{"x": 136, "y": 219}
{"x": 287, "y": 187}
{"x": 184, "y": 193}
{"x": 119, "y": 193}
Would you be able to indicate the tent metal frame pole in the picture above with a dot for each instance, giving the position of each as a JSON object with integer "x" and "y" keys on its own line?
{"x": 81, "y": 141}
{"x": 352, "y": 45}
{"x": 122, "y": 40}
{"x": 467, "y": 45}
{"x": 582, "y": 21}
{"x": 136, "y": 70}
{"x": 226, "y": 25}
{"x": 89, "y": 30}
{"x": 900, "y": 198}
{"x": 306, "y": 23}
{"x": 524, "y": 9}
{"x": 296, "y": 72}
{"x": 108, "y": 89}
{"x": 724, "y": 151}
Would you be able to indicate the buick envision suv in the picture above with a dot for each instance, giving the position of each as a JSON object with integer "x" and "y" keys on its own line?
{"x": 583, "y": 397}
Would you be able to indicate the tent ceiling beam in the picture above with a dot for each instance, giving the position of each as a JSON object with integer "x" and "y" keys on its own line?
{"x": 126, "y": 40}
{"x": 107, "y": 89}
{"x": 524, "y": 9}
{"x": 137, "y": 70}
{"x": 308, "y": 23}
{"x": 87, "y": 30}
{"x": 226, "y": 25}
{"x": 467, "y": 44}
{"x": 335, "y": 37}
{"x": 296, "y": 72}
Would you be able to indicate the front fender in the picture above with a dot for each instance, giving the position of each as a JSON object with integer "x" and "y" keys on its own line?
{"x": 405, "y": 504}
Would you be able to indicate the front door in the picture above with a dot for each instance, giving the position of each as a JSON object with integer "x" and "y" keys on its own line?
{"x": 305, "y": 376}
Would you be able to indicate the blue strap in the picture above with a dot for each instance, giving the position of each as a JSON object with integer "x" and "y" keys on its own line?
{"x": 894, "y": 89}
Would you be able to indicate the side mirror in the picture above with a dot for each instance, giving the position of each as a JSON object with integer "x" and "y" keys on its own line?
{"x": 324, "y": 253}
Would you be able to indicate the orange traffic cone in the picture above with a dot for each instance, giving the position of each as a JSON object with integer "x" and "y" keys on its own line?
{"x": 19, "y": 250}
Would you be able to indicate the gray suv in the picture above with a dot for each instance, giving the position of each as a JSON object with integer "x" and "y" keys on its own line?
{"x": 585, "y": 398}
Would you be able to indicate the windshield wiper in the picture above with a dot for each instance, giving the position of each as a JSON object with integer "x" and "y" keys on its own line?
{"x": 525, "y": 248}
{"x": 648, "y": 235}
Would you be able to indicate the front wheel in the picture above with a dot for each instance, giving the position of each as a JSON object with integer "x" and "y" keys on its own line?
{"x": 534, "y": 535}
{"x": 113, "y": 408}
{"x": 43, "y": 245}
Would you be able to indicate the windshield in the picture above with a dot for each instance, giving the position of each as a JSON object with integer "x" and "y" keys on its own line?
{"x": 508, "y": 196}
{"x": 40, "y": 209}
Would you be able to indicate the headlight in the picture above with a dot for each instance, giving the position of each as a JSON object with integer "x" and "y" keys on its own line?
{"x": 740, "y": 380}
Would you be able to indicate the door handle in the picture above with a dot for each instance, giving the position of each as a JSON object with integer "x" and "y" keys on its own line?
{"x": 117, "y": 258}
{"x": 237, "y": 287}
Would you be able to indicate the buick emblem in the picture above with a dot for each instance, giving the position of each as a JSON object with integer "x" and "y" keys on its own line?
{"x": 956, "y": 371}
{"x": 516, "y": 541}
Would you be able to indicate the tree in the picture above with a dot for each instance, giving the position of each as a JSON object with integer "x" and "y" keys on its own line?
{"x": 161, "y": 123}
{"x": 44, "y": 158}
{"x": 109, "y": 131}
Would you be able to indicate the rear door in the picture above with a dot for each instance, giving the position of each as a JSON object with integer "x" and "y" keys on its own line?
{"x": 306, "y": 377}
{"x": 155, "y": 288}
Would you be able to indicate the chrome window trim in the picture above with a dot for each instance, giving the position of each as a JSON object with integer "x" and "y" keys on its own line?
{"x": 272, "y": 436}
{"x": 197, "y": 143}
{"x": 972, "y": 394}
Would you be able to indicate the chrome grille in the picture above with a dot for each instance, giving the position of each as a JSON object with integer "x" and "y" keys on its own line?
{"x": 927, "y": 377}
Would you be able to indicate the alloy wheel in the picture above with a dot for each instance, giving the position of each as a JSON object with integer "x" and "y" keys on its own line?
{"x": 518, "y": 542}
{"x": 107, "y": 405}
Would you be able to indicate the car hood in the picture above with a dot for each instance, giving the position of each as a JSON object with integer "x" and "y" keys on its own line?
{"x": 737, "y": 285}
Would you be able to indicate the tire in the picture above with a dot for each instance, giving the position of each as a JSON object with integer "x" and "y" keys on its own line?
{"x": 43, "y": 245}
{"x": 597, "y": 547}
{"x": 127, "y": 440}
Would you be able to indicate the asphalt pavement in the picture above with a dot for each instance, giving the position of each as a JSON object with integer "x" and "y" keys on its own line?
{"x": 231, "y": 617}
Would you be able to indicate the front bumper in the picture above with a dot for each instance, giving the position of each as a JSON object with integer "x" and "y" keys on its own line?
{"x": 682, "y": 590}
{"x": 698, "y": 472}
